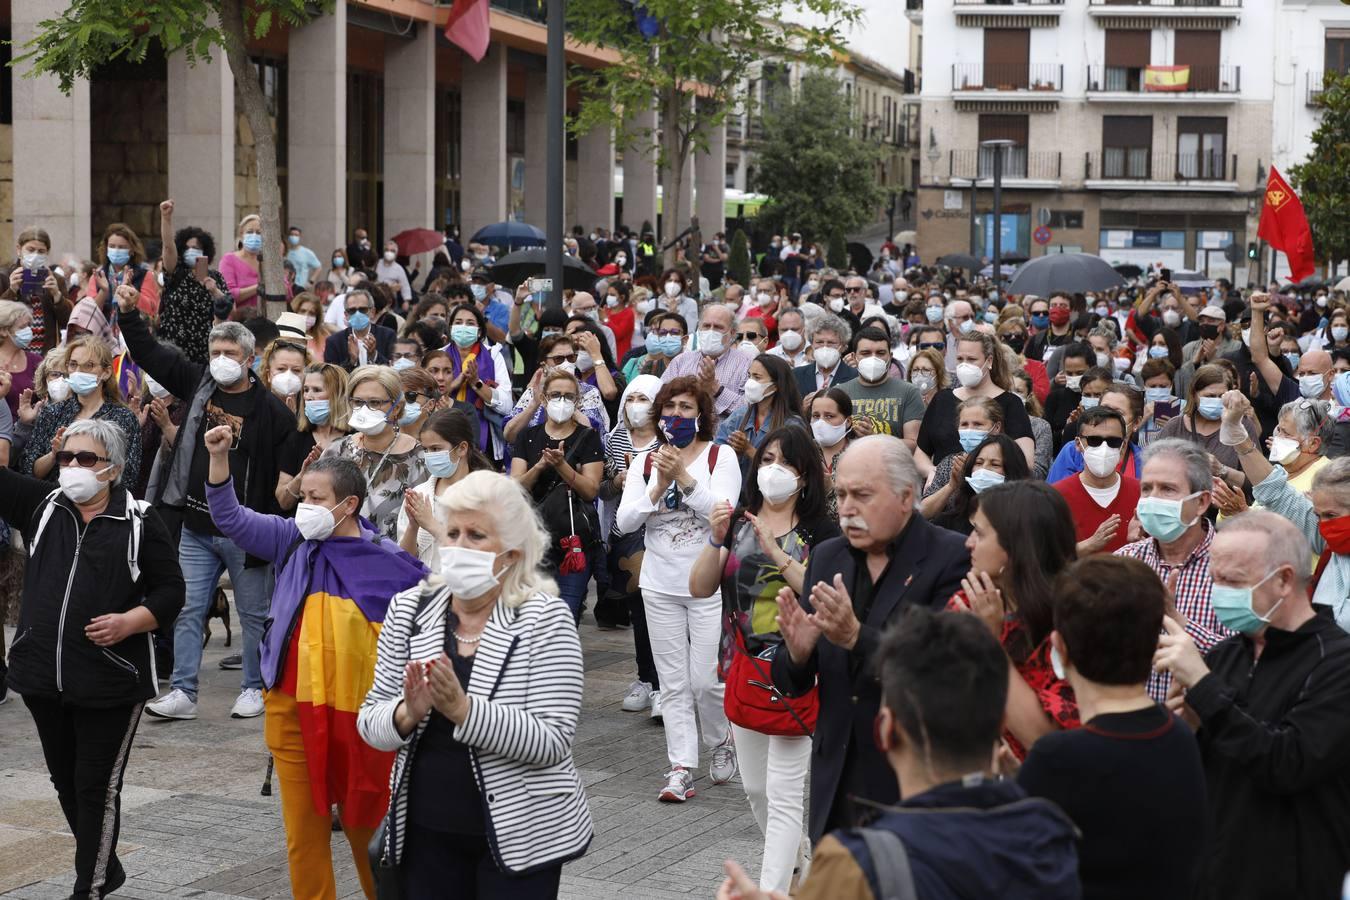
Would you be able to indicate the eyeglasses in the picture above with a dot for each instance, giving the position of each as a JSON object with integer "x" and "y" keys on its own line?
{"x": 353, "y": 310}
{"x": 933, "y": 345}
{"x": 407, "y": 354}
{"x": 418, "y": 396}
{"x": 1097, "y": 440}
{"x": 87, "y": 459}
{"x": 559, "y": 359}
{"x": 558, "y": 395}
{"x": 748, "y": 336}
{"x": 669, "y": 332}
{"x": 377, "y": 405}
{"x": 280, "y": 344}
{"x": 856, "y": 290}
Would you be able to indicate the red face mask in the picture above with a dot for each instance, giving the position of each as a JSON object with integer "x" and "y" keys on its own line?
{"x": 1336, "y": 532}
{"x": 1059, "y": 315}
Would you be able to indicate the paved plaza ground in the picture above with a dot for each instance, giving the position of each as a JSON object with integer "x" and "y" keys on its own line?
{"x": 195, "y": 826}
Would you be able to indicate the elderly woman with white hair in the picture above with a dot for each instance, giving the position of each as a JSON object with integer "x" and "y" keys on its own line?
{"x": 478, "y": 687}
{"x": 102, "y": 574}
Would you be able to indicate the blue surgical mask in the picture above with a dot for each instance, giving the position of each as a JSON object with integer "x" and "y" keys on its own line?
{"x": 1156, "y": 352}
{"x": 982, "y": 480}
{"x": 440, "y": 463}
{"x": 252, "y": 242}
{"x": 1161, "y": 517}
{"x": 479, "y": 291}
{"x": 1157, "y": 395}
{"x": 23, "y": 337}
{"x": 294, "y": 240}
{"x": 191, "y": 255}
{"x": 119, "y": 256}
{"x": 1210, "y": 408}
{"x": 967, "y": 326}
{"x": 464, "y": 335}
{"x": 1041, "y": 320}
{"x": 358, "y": 321}
{"x": 971, "y": 438}
{"x": 991, "y": 316}
{"x": 410, "y": 413}
{"x": 1233, "y": 607}
{"x": 1293, "y": 359}
{"x": 82, "y": 383}
{"x": 934, "y": 314}
{"x": 316, "y": 411}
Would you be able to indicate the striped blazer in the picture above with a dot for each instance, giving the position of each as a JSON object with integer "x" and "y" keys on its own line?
{"x": 525, "y": 693}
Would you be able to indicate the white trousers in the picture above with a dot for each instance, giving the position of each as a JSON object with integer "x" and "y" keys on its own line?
{"x": 684, "y": 634}
{"x": 773, "y": 772}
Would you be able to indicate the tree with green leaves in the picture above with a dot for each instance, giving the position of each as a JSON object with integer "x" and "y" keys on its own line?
{"x": 836, "y": 255}
{"x": 739, "y": 265}
{"x": 1323, "y": 180}
{"x": 671, "y": 51}
{"x": 90, "y": 33}
{"x": 819, "y": 173}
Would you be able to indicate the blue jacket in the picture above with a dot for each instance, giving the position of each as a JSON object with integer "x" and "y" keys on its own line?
{"x": 1070, "y": 462}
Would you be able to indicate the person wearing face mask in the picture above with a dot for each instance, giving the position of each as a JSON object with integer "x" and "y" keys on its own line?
{"x": 361, "y": 342}
{"x": 721, "y": 367}
{"x": 791, "y": 345}
{"x": 831, "y": 414}
{"x": 19, "y": 359}
{"x": 585, "y": 306}
{"x": 771, "y": 402}
{"x": 161, "y": 415}
{"x": 40, "y": 287}
{"x": 755, "y": 551}
{"x": 674, "y": 297}
{"x": 1212, "y": 343}
{"x": 1200, "y": 421}
{"x": 123, "y": 262}
{"x": 1174, "y": 310}
{"x": 1261, "y": 355}
{"x": 340, "y": 272}
{"x": 480, "y": 376}
{"x": 557, "y": 352}
{"x": 560, "y": 462}
{"x": 241, "y": 267}
{"x": 329, "y": 567}
{"x": 994, "y": 459}
{"x": 1274, "y": 692}
{"x": 618, "y": 317}
{"x": 304, "y": 260}
{"x": 191, "y": 286}
{"x": 664, "y": 340}
{"x": 283, "y": 367}
{"x": 389, "y": 271}
{"x": 1101, "y": 499}
{"x": 359, "y": 253}
{"x": 829, "y": 337}
{"x": 102, "y": 573}
{"x": 882, "y": 402}
{"x": 488, "y": 798}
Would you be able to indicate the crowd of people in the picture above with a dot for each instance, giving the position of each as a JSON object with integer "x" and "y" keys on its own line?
{"x": 1034, "y": 597}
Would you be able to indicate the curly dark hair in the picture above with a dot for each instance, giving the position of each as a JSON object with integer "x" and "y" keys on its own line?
{"x": 688, "y": 384}
{"x": 204, "y": 240}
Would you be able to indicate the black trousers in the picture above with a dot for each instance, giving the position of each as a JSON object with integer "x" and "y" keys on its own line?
{"x": 432, "y": 860}
{"x": 642, "y": 642}
{"x": 86, "y": 751}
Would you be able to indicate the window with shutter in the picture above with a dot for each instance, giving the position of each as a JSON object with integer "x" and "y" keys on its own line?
{"x": 1200, "y": 51}
{"x": 1127, "y": 55}
{"x": 994, "y": 127}
{"x": 1007, "y": 58}
{"x": 1200, "y": 147}
{"x": 1127, "y": 146}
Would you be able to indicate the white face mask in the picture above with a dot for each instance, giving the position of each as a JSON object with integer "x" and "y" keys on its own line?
{"x": 1283, "y": 449}
{"x": 672, "y": 289}
{"x": 826, "y": 358}
{"x": 763, "y": 298}
{"x": 969, "y": 374}
{"x": 585, "y": 362}
{"x": 315, "y": 522}
{"x": 924, "y": 382}
{"x": 639, "y": 413}
{"x": 872, "y": 368}
{"x": 836, "y": 304}
{"x": 286, "y": 384}
{"x": 791, "y": 340}
{"x": 561, "y": 410}
{"x": 1101, "y": 461}
{"x": 776, "y": 483}
{"x": 756, "y": 391}
{"x": 58, "y": 389}
{"x": 157, "y": 390}
{"x": 225, "y": 371}
{"x": 390, "y": 256}
{"x": 828, "y": 435}
{"x": 711, "y": 342}
{"x": 81, "y": 484}
{"x": 467, "y": 572}
{"x": 1310, "y": 387}
{"x": 368, "y": 421}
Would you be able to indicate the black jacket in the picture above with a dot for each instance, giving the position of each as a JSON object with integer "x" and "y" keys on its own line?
{"x": 806, "y": 376}
{"x": 1275, "y": 737}
{"x": 927, "y": 565}
{"x": 335, "y": 348}
{"x": 75, "y": 573}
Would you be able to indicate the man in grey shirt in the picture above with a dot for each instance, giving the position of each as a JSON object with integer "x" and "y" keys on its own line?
{"x": 882, "y": 400}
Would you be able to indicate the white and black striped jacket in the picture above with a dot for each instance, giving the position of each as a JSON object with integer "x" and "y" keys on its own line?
{"x": 525, "y": 694}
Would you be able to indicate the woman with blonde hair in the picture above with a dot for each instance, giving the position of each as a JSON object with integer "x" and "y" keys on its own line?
{"x": 282, "y": 369}
{"x": 94, "y": 394}
{"x": 309, "y": 305}
{"x": 241, "y": 267}
{"x": 18, "y": 363}
{"x": 321, "y": 421}
{"x": 928, "y": 373}
{"x": 123, "y": 262}
{"x": 485, "y": 794}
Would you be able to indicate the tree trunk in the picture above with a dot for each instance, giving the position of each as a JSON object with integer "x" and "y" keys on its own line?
{"x": 265, "y": 147}
{"x": 675, "y": 152}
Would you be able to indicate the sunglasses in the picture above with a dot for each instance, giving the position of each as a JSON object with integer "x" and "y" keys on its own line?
{"x": 1097, "y": 440}
{"x": 933, "y": 345}
{"x": 353, "y": 310}
{"x": 87, "y": 459}
{"x": 560, "y": 359}
{"x": 748, "y": 336}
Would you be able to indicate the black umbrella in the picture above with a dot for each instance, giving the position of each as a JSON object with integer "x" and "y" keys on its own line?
{"x": 1129, "y": 270}
{"x": 1071, "y": 272}
{"x": 960, "y": 261}
{"x": 514, "y": 269}
{"x": 1311, "y": 283}
{"x": 1015, "y": 259}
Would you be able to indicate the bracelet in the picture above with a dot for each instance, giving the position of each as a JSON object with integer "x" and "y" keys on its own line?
{"x": 712, "y": 543}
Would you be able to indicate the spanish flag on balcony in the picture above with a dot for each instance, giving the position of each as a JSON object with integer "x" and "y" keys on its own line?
{"x": 1167, "y": 78}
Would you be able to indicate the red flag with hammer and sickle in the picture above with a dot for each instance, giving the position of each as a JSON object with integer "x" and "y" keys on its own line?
{"x": 1285, "y": 226}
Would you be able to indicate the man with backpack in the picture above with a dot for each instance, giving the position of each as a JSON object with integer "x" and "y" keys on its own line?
{"x": 957, "y": 832}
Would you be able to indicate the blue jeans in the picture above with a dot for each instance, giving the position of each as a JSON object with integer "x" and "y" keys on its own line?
{"x": 572, "y": 588}
{"x": 203, "y": 559}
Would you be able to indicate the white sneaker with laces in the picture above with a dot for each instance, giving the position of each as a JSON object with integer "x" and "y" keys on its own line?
{"x": 656, "y": 705}
{"x": 679, "y": 786}
{"x": 723, "y": 767}
{"x": 639, "y": 697}
{"x": 249, "y": 704}
{"x": 173, "y": 705}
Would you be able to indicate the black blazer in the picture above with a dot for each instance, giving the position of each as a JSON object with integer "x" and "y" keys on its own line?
{"x": 926, "y": 569}
{"x": 335, "y": 348}
{"x": 806, "y": 376}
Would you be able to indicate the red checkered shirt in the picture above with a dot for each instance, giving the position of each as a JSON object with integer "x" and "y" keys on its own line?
{"x": 1192, "y": 596}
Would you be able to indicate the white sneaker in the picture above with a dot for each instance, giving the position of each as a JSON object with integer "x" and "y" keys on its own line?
{"x": 656, "y": 705}
{"x": 249, "y": 704}
{"x": 723, "y": 767}
{"x": 173, "y": 705}
{"x": 639, "y": 697}
{"x": 679, "y": 786}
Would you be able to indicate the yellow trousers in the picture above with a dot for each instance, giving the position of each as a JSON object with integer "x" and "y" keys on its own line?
{"x": 309, "y": 835}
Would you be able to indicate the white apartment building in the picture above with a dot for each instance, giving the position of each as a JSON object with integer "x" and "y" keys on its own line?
{"x": 1141, "y": 130}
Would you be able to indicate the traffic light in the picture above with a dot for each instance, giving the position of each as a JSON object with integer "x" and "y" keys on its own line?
{"x": 1251, "y": 250}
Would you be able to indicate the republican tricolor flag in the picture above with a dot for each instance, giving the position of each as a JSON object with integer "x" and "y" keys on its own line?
{"x": 1284, "y": 226}
{"x": 469, "y": 27}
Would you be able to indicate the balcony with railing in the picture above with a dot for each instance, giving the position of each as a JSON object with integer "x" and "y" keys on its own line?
{"x": 1138, "y": 167}
{"x": 1032, "y": 77}
{"x": 1019, "y": 165}
{"x": 1171, "y": 4}
{"x": 1316, "y": 85}
{"x": 1163, "y": 83}
{"x": 1160, "y": 12}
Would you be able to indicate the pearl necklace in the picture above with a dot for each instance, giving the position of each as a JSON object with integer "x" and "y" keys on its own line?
{"x": 465, "y": 640}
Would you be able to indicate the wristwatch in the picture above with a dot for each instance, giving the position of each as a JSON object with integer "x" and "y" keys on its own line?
{"x": 1247, "y": 446}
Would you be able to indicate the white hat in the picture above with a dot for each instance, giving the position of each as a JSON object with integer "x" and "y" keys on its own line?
{"x": 1214, "y": 312}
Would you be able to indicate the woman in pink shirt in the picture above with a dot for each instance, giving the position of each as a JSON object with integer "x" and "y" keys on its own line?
{"x": 240, "y": 268}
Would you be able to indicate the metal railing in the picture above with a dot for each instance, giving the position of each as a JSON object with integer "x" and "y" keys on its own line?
{"x": 1140, "y": 164}
{"x": 529, "y": 9}
{"x": 1007, "y": 2}
{"x": 1132, "y": 80}
{"x": 1008, "y": 77}
{"x": 1316, "y": 85}
{"x": 1185, "y": 4}
{"x": 1018, "y": 162}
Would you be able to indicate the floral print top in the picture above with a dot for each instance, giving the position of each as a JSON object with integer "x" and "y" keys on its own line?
{"x": 186, "y": 311}
{"x": 388, "y": 475}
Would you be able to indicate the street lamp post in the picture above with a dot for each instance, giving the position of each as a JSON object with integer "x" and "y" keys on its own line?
{"x": 556, "y": 143}
{"x": 998, "y": 146}
{"x": 974, "y": 228}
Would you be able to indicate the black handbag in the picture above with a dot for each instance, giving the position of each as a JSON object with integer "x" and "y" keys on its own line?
{"x": 387, "y": 876}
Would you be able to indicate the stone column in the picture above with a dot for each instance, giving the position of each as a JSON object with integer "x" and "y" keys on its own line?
{"x": 710, "y": 172}
{"x": 410, "y": 131}
{"x": 536, "y": 149}
{"x": 317, "y": 123}
{"x": 639, "y": 170}
{"x": 51, "y": 144}
{"x": 201, "y": 146}
{"x": 595, "y": 179}
{"x": 483, "y": 140}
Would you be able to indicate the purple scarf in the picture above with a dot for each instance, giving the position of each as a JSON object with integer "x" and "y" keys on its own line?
{"x": 487, "y": 372}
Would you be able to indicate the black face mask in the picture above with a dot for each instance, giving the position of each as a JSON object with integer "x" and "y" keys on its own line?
{"x": 1209, "y": 332}
{"x": 1015, "y": 342}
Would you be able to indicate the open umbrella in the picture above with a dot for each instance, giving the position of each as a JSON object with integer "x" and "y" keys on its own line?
{"x": 510, "y": 235}
{"x": 1015, "y": 259}
{"x": 1007, "y": 270}
{"x": 960, "y": 261}
{"x": 514, "y": 269}
{"x": 418, "y": 240}
{"x": 1343, "y": 284}
{"x": 1072, "y": 272}
{"x": 1129, "y": 270}
{"x": 1311, "y": 283}
{"x": 905, "y": 237}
